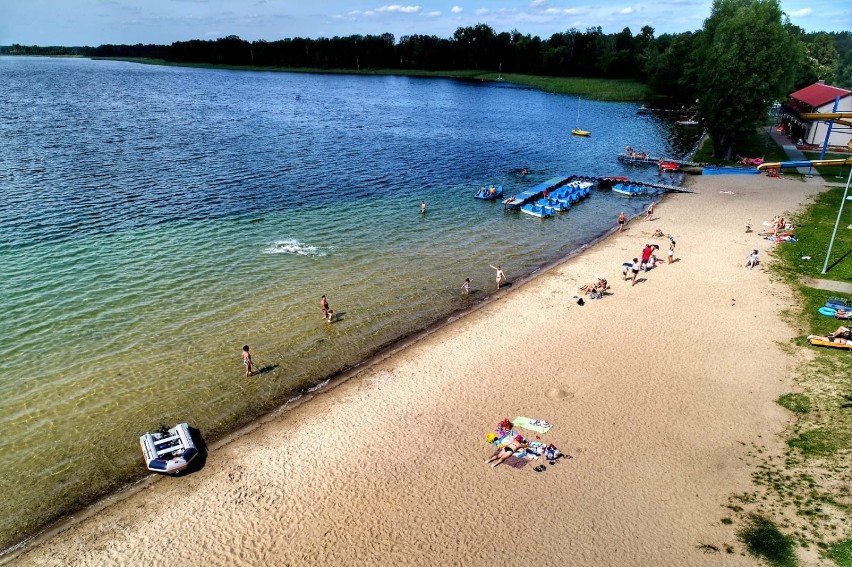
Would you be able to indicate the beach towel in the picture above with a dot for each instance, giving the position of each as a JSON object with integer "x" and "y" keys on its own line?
{"x": 537, "y": 425}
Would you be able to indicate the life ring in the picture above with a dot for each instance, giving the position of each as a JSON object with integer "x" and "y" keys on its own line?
{"x": 827, "y": 311}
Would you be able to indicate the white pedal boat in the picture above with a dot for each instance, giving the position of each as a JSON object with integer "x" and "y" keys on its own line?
{"x": 168, "y": 451}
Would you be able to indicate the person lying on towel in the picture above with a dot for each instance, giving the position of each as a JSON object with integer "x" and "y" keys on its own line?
{"x": 842, "y": 336}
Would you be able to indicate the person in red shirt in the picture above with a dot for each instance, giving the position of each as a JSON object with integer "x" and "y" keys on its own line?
{"x": 646, "y": 255}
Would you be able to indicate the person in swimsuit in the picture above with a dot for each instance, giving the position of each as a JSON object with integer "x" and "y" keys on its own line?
{"x": 622, "y": 218}
{"x": 324, "y": 307}
{"x": 635, "y": 268}
{"x": 507, "y": 451}
{"x": 423, "y": 207}
{"x": 500, "y": 275}
{"x": 331, "y": 316}
{"x": 842, "y": 336}
{"x": 752, "y": 260}
{"x": 466, "y": 286}
{"x": 247, "y": 360}
{"x": 671, "y": 251}
{"x": 650, "y": 212}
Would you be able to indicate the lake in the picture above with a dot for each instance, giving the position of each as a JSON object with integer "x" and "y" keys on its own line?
{"x": 155, "y": 219}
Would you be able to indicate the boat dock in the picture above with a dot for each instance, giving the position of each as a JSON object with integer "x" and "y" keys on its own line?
{"x": 665, "y": 187}
{"x": 515, "y": 201}
{"x": 653, "y": 160}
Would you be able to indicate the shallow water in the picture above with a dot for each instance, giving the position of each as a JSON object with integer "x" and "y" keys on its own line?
{"x": 155, "y": 219}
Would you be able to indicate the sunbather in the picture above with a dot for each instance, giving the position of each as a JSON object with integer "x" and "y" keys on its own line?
{"x": 598, "y": 287}
{"x": 842, "y": 336}
{"x": 508, "y": 450}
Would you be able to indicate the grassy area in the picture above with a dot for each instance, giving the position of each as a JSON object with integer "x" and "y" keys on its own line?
{"x": 813, "y": 231}
{"x": 760, "y": 144}
{"x": 763, "y": 539}
{"x": 598, "y": 89}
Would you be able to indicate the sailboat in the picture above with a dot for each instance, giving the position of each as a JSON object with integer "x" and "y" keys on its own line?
{"x": 576, "y": 131}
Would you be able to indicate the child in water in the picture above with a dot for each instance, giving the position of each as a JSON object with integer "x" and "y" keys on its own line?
{"x": 331, "y": 316}
{"x": 247, "y": 360}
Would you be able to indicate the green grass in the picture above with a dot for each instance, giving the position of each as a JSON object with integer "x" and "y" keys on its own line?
{"x": 822, "y": 442}
{"x": 763, "y": 539}
{"x": 813, "y": 231}
{"x": 841, "y": 553}
{"x": 760, "y": 144}
{"x": 597, "y": 89}
{"x": 796, "y": 403}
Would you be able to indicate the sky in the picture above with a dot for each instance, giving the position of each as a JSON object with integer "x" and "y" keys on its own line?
{"x": 96, "y": 22}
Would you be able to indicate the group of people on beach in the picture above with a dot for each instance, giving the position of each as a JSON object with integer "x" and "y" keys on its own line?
{"x": 647, "y": 259}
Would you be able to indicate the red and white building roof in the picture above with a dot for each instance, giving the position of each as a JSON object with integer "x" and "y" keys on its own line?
{"x": 820, "y": 97}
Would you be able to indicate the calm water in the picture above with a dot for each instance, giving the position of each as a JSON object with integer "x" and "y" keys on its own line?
{"x": 153, "y": 220}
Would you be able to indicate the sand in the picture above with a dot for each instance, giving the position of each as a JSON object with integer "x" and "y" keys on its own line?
{"x": 659, "y": 391}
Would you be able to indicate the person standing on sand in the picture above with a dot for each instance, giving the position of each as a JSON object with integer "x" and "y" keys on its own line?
{"x": 671, "y": 251}
{"x": 324, "y": 307}
{"x": 466, "y": 286}
{"x": 247, "y": 361}
{"x": 635, "y": 268}
{"x": 650, "y": 212}
{"x": 500, "y": 275}
{"x": 646, "y": 255}
{"x": 622, "y": 218}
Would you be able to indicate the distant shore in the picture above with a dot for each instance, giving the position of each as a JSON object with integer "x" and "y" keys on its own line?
{"x": 612, "y": 90}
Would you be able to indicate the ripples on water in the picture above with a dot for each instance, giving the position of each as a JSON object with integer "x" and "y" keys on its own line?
{"x": 154, "y": 219}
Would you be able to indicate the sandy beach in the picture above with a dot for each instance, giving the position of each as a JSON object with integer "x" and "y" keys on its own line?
{"x": 658, "y": 390}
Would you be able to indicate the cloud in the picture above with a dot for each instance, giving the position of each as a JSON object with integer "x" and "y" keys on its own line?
{"x": 559, "y": 11}
{"x": 456, "y": 9}
{"x": 399, "y": 9}
{"x": 481, "y": 11}
{"x": 433, "y": 14}
{"x": 802, "y": 13}
{"x": 537, "y": 3}
{"x": 627, "y": 10}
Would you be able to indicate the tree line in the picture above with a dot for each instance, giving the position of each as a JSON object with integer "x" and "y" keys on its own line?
{"x": 746, "y": 55}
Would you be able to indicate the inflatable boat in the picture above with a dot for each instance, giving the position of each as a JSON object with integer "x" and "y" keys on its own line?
{"x": 168, "y": 450}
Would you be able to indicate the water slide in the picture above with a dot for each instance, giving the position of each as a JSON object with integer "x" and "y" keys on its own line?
{"x": 804, "y": 163}
{"x": 838, "y": 117}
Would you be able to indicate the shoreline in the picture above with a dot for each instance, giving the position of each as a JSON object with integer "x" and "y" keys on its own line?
{"x": 693, "y": 421}
{"x": 324, "y": 386}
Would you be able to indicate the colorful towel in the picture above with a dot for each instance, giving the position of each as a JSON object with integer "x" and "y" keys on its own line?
{"x": 537, "y": 425}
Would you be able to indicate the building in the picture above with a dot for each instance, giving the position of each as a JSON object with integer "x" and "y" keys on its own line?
{"x": 817, "y": 97}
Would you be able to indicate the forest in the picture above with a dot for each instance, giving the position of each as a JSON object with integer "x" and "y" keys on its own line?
{"x": 746, "y": 55}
